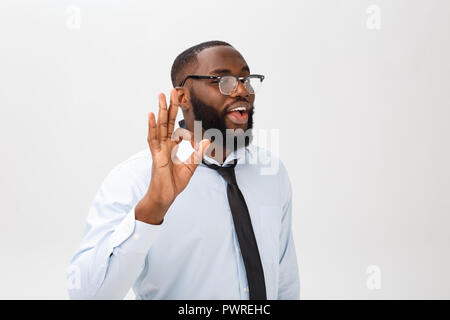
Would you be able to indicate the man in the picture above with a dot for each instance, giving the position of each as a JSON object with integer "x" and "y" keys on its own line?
{"x": 212, "y": 227}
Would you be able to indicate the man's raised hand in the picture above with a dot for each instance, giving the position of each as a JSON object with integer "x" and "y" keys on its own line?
{"x": 169, "y": 176}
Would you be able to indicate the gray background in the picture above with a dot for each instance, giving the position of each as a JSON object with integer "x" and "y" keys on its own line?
{"x": 363, "y": 117}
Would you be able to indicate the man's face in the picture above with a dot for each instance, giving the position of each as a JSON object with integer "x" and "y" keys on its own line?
{"x": 212, "y": 107}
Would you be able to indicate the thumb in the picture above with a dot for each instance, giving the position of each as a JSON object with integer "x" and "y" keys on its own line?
{"x": 203, "y": 146}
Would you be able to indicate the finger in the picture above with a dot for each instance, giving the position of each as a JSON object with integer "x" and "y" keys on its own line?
{"x": 197, "y": 156}
{"x": 181, "y": 134}
{"x": 162, "y": 118}
{"x": 174, "y": 156}
{"x": 173, "y": 111}
{"x": 152, "y": 138}
{"x": 204, "y": 144}
{"x": 195, "y": 142}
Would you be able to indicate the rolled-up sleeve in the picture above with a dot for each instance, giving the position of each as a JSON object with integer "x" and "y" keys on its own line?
{"x": 114, "y": 245}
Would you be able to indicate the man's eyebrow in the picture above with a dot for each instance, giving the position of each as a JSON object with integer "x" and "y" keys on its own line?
{"x": 222, "y": 71}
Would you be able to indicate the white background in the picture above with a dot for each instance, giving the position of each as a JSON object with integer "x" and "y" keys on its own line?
{"x": 363, "y": 116}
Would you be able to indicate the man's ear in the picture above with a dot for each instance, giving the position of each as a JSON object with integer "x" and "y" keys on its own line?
{"x": 184, "y": 100}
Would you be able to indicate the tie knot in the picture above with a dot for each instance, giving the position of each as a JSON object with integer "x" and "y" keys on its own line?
{"x": 226, "y": 172}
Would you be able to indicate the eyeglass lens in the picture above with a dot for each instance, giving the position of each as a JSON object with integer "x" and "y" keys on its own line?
{"x": 228, "y": 84}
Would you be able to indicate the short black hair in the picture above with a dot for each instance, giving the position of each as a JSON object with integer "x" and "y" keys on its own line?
{"x": 189, "y": 56}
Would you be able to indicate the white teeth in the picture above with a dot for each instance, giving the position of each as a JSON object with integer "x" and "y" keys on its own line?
{"x": 238, "y": 109}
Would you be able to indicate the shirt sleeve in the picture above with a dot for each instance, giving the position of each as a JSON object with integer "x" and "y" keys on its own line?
{"x": 289, "y": 281}
{"x": 114, "y": 245}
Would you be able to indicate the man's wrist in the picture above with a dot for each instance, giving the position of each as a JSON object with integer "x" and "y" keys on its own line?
{"x": 150, "y": 211}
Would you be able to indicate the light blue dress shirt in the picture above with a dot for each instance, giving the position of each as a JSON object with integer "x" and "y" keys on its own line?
{"x": 194, "y": 253}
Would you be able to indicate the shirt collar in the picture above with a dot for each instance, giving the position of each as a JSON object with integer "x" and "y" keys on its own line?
{"x": 239, "y": 154}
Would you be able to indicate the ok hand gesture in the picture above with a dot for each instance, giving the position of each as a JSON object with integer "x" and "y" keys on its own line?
{"x": 169, "y": 176}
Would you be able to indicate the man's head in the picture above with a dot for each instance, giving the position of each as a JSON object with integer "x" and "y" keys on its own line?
{"x": 201, "y": 99}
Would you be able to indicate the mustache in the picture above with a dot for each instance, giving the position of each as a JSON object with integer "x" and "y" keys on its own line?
{"x": 238, "y": 100}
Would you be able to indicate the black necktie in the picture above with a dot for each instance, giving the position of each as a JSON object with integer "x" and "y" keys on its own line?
{"x": 244, "y": 231}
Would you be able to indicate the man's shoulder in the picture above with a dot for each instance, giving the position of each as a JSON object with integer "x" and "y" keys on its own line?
{"x": 138, "y": 163}
{"x": 269, "y": 160}
{"x": 140, "y": 158}
{"x": 133, "y": 170}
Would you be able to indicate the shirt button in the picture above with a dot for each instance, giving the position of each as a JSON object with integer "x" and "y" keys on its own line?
{"x": 246, "y": 289}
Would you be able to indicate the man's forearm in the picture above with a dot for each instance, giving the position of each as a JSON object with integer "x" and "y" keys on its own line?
{"x": 150, "y": 211}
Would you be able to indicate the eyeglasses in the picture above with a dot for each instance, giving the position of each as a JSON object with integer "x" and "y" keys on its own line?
{"x": 228, "y": 83}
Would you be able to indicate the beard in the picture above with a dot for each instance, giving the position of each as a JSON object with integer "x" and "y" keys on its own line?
{"x": 214, "y": 119}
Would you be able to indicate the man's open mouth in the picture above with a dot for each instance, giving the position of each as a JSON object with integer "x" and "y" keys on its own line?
{"x": 238, "y": 114}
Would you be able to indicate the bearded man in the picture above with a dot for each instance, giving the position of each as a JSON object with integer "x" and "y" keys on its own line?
{"x": 210, "y": 227}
